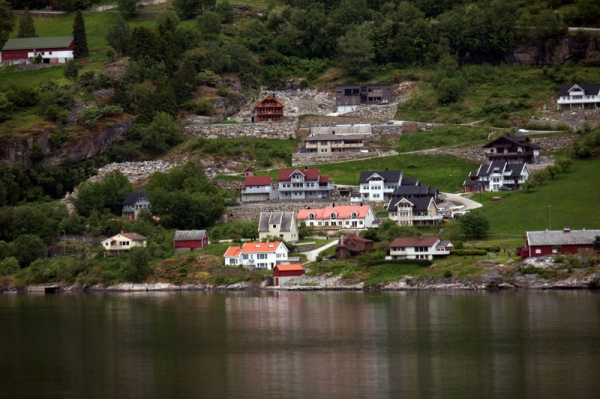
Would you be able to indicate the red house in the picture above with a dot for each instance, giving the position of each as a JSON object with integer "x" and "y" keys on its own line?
{"x": 283, "y": 273}
{"x": 189, "y": 240}
{"x": 269, "y": 110}
{"x": 53, "y": 50}
{"x": 541, "y": 243}
{"x": 352, "y": 246}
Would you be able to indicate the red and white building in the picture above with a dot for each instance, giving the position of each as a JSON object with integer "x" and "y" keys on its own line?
{"x": 258, "y": 188}
{"x": 337, "y": 217}
{"x": 542, "y": 243}
{"x": 284, "y": 273}
{"x": 304, "y": 183}
{"x": 189, "y": 240}
{"x": 257, "y": 255}
{"x": 53, "y": 50}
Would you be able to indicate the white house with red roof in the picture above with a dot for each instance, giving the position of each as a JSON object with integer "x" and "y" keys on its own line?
{"x": 338, "y": 217}
{"x": 304, "y": 183}
{"x": 284, "y": 273}
{"x": 123, "y": 242}
{"x": 258, "y": 255}
{"x": 419, "y": 248}
{"x": 258, "y": 188}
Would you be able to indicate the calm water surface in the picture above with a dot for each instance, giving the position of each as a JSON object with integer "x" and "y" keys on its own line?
{"x": 301, "y": 345}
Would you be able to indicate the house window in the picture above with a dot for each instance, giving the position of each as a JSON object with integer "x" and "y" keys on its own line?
{"x": 261, "y": 256}
{"x": 245, "y": 256}
{"x": 538, "y": 251}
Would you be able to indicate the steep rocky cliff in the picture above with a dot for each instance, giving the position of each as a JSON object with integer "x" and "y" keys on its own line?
{"x": 82, "y": 146}
{"x": 576, "y": 47}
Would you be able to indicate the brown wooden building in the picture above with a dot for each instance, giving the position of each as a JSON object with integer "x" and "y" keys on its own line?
{"x": 352, "y": 246}
{"x": 269, "y": 110}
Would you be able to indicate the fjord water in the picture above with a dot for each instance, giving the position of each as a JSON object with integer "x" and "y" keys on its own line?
{"x": 301, "y": 345}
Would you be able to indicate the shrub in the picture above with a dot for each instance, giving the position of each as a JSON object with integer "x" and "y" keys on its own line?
{"x": 208, "y": 78}
{"x": 468, "y": 252}
{"x": 55, "y": 113}
{"x": 92, "y": 114}
{"x": 202, "y": 107}
{"x": 447, "y": 274}
{"x": 58, "y": 138}
{"x": 86, "y": 78}
{"x": 9, "y": 266}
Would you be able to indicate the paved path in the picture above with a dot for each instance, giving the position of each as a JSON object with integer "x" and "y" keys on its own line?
{"x": 311, "y": 256}
{"x": 459, "y": 199}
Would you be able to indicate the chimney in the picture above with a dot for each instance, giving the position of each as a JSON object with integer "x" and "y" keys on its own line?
{"x": 305, "y": 167}
{"x": 566, "y": 229}
{"x": 333, "y": 204}
{"x": 361, "y": 204}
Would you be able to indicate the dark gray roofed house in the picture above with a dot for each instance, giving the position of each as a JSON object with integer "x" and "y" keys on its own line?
{"x": 133, "y": 204}
{"x": 579, "y": 95}
{"x": 497, "y": 176}
{"x": 278, "y": 224}
{"x": 512, "y": 149}
{"x": 416, "y": 192}
{"x": 414, "y": 211}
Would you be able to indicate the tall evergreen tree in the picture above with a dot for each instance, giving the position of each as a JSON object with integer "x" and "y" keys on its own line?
{"x": 7, "y": 21}
{"x": 81, "y": 47}
{"x": 26, "y": 25}
{"x": 119, "y": 36}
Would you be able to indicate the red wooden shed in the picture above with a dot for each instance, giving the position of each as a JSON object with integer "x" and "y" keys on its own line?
{"x": 189, "y": 240}
{"x": 283, "y": 273}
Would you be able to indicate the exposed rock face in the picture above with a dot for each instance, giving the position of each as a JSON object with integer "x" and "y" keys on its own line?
{"x": 382, "y": 112}
{"x": 228, "y": 106}
{"x": 577, "y": 48}
{"x": 134, "y": 171}
{"x": 81, "y": 147}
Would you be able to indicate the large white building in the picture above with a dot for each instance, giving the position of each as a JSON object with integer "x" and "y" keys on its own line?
{"x": 257, "y": 255}
{"x": 419, "y": 248}
{"x": 51, "y": 50}
{"x": 497, "y": 176}
{"x": 579, "y": 95}
{"x": 123, "y": 242}
{"x": 304, "y": 183}
{"x": 380, "y": 185}
{"x": 338, "y": 217}
{"x": 420, "y": 211}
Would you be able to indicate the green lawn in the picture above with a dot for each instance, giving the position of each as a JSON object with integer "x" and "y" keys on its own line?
{"x": 570, "y": 199}
{"x": 447, "y": 136}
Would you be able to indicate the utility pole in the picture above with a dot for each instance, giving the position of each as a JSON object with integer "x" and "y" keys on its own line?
{"x": 549, "y": 218}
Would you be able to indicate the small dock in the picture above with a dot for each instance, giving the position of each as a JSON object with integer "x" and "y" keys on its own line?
{"x": 43, "y": 289}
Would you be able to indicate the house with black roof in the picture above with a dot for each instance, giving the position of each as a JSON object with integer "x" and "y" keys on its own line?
{"x": 133, "y": 204}
{"x": 579, "y": 95}
{"x": 497, "y": 176}
{"x": 512, "y": 149}
{"x": 418, "y": 211}
{"x": 380, "y": 185}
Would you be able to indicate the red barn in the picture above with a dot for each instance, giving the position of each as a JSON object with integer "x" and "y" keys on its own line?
{"x": 189, "y": 240}
{"x": 269, "y": 110}
{"x": 541, "y": 243}
{"x": 53, "y": 50}
{"x": 283, "y": 273}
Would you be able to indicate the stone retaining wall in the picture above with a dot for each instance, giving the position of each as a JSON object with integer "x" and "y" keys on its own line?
{"x": 317, "y": 158}
{"x": 387, "y": 129}
{"x": 283, "y": 130}
{"x": 554, "y": 143}
{"x": 385, "y": 112}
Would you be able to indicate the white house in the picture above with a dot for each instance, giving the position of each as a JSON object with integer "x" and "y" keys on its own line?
{"x": 258, "y": 188}
{"x": 123, "y": 242}
{"x": 579, "y": 95}
{"x": 278, "y": 224}
{"x": 338, "y": 217}
{"x": 258, "y": 255}
{"x": 380, "y": 185}
{"x": 303, "y": 184}
{"x": 419, "y": 248}
{"x": 420, "y": 211}
{"x": 497, "y": 176}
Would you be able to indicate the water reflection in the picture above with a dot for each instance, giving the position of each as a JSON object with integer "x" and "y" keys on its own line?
{"x": 295, "y": 344}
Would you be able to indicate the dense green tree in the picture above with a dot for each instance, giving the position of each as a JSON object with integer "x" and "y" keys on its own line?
{"x": 167, "y": 21}
{"x": 71, "y": 71}
{"x": 355, "y": 52}
{"x": 81, "y": 47}
{"x": 188, "y": 37}
{"x": 6, "y": 108}
{"x": 127, "y": 7}
{"x": 136, "y": 268}
{"x": 9, "y": 266}
{"x": 187, "y": 8}
{"x": 474, "y": 225}
{"x": 184, "y": 198}
{"x": 27, "y": 248}
{"x": 449, "y": 91}
{"x": 389, "y": 229}
{"x": 144, "y": 44}
{"x": 225, "y": 11}
{"x": 119, "y": 36}
{"x": 106, "y": 194}
{"x": 7, "y": 21}
{"x": 209, "y": 24}
{"x": 588, "y": 11}
{"x": 26, "y": 25}
{"x": 162, "y": 133}
{"x": 255, "y": 36}
{"x": 184, "y": 81}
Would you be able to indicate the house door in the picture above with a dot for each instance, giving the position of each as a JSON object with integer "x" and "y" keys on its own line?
{"x": 277, "y": 281}
{"x": 354, "y": 223}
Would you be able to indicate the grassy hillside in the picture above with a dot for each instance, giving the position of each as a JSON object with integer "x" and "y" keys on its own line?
{"x": 570, "y": 199}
